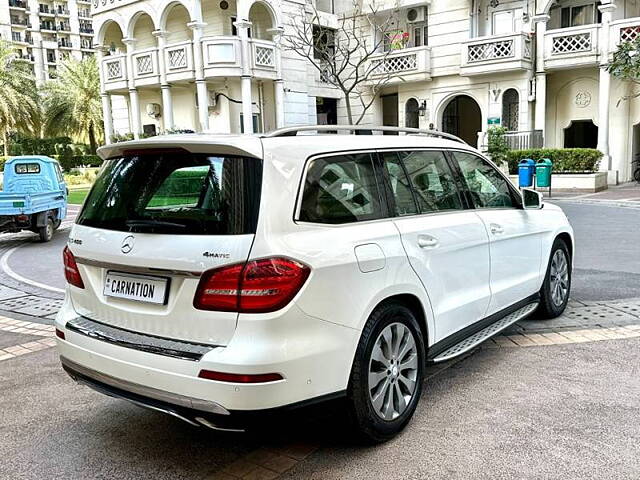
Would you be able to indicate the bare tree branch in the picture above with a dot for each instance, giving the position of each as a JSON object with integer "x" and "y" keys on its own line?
{"x": 352, "y": 57}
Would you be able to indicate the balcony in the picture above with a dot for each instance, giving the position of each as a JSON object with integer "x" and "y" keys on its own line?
{"x": 145, "y": 67}
{"x": 64, "y": 43}
{"x": 20, "y": 22}
{"x": 496, "y": 53}
{"x": 413, "y": 64}
{"x": 571, "y": 47}
{"x": 222, "y": 56}
{"x": 263, "y": 61}
{"x": 625, "y": 30}
{"x": 17, "y": 4}
{"x": 114, "y": 72}
{"x": 178, "y": 58}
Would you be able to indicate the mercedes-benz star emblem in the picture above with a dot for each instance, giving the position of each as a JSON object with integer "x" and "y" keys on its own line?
{"x": 127, "y": 244}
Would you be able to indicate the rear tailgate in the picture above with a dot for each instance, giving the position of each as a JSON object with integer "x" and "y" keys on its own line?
{"x": 152, "y": 223}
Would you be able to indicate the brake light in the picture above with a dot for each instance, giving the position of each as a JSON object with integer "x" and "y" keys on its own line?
{"x": 60, "y": 334}
{"x": 239, "y": 377}
{"x": 71, "y": 272}
{"x": 258, "y": 286}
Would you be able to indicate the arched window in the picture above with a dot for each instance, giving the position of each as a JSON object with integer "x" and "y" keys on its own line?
{"x": 411, "y": 119}
{"x": 510, "y": 109}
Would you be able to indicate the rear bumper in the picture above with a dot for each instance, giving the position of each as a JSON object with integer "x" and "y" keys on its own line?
{"x": 313, "y": 356}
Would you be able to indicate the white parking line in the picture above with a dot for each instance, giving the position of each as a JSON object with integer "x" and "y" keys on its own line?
{"x": 4, "y": 264}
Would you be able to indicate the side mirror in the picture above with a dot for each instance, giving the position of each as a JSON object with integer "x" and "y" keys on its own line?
{"x": 531, "y": 200}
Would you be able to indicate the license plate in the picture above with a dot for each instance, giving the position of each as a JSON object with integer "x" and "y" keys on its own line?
{"x": 140, "y": 288}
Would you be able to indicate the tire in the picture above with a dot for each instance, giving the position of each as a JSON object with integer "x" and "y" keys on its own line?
{"x": 382, "y": 404}
{"x": 554, "y": 294}
{"x": 636, "y": 175}
{"x": 56, "y": 224}
{"x": 46, "y": 232}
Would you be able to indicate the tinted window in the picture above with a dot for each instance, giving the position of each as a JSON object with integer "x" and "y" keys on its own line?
{"x": 176, "y": 193}
{"x": 400, "y": 187}
{"x": 27, "y": 168}
{"x": 341, "y": 189}
{"x": 488, "y": 188}
{"x": 432, "y": 181}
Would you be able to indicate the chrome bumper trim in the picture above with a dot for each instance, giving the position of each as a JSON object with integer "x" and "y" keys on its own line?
{"x": 139, "y": 341}
{"x": 100, "y": 382}
{"x": 135, "y": 269}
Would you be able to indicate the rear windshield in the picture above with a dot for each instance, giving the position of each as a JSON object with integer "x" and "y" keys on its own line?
{"x": 177, "y": 193}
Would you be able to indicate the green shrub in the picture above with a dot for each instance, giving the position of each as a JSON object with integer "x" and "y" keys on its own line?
{"x": 68, "y": 163}
{"x": 121, "y": 137}
{"x": 565, "y": 160}
{"x": 497, "y": 144}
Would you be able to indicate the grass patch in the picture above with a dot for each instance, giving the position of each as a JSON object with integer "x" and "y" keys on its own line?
{"x": 76, "y": 197}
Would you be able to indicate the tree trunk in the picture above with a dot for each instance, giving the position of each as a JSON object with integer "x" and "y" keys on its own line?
{"x": 347, "y": 103}
{"x": 5, "y": 138}
{"x": 92, "y": 139}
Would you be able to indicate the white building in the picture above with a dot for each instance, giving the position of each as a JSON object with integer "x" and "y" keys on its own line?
{"x": 45, "y": 32}
{"x": 534, "y": 67}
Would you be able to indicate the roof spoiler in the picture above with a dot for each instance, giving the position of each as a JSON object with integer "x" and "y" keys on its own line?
{"x": 242, "y": 146}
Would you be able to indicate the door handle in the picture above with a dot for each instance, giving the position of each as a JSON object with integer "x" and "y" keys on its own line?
{"x": 496, "y": 229}
{"x": 427, "y": 241}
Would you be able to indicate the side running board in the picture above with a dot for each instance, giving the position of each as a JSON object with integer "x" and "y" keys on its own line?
{"x": 486, "y": 333}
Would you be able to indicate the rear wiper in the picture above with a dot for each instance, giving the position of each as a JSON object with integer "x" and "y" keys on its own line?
{"x": 152, "y": 224}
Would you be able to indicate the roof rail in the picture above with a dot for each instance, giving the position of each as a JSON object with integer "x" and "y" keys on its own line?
{"x": 357, "y": 130}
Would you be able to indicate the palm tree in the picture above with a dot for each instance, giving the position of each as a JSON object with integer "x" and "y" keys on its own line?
{"x": 18, "y": 94}
{"x": 72, "y": 102}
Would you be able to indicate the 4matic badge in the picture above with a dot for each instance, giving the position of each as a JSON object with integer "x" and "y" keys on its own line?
{"x": 216, "y": 255}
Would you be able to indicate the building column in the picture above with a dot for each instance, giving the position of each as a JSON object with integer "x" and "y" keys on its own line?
{"x": 247, "y": 108}
{"x": 134, "y": 102}
{"x": 107, "y": 117}
{"x": 165, "y": 88}
{"x": 279, "y": 82}
{"x": 540, "y": 22}
{"x": 604, "y": 90}
{"x": 201, "y": 84}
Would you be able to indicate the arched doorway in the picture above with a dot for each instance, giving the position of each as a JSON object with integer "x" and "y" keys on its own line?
{"x": 411, "y": 119}
{"x": 462, "y": 117}
{"x": 510, "y": 109}
{"x": 581, "y": 134}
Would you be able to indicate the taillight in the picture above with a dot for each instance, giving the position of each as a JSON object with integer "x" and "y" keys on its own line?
{"x": 258, "y": 286}
{"x": 71, "y": 272}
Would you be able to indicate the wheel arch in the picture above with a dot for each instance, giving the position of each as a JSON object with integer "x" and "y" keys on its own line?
{"x": 568, "y": 240}
{"x": 413, "y": 303}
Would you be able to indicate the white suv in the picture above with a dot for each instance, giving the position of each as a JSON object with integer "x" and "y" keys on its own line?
{"x": 214, "y": 275}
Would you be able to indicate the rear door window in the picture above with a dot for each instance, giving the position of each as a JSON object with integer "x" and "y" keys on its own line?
{"x": 432, "y": 180}
{"x": 341, "y": 189}
{"x": 176, "y": 193}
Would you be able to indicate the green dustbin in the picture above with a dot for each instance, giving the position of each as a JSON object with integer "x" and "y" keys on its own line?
{"x": 543, "y": 173}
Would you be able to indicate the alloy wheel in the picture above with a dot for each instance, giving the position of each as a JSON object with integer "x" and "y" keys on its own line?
{"x": 393, "y": 370}
{"x": 559, "y": 277}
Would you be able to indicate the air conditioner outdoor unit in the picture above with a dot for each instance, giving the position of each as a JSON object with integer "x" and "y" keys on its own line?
{"x": 415, "y": 15}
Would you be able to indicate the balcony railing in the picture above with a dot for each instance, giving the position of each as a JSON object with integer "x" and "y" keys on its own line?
{"x": 572, "y": 46}
{"x": 403, "y": 61}
{"x": 497, "y": 52}
{"x": 145, "y": 62}
{"x": 524, "y": 140}
{"x": 179, "y": 60}
{"x": 625, "y": 30}
{"x": 264, "y": 54}
{"x": 516, "y": 140}
{"x": 114, "y": 68}
{"x": 23, "y": 22}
